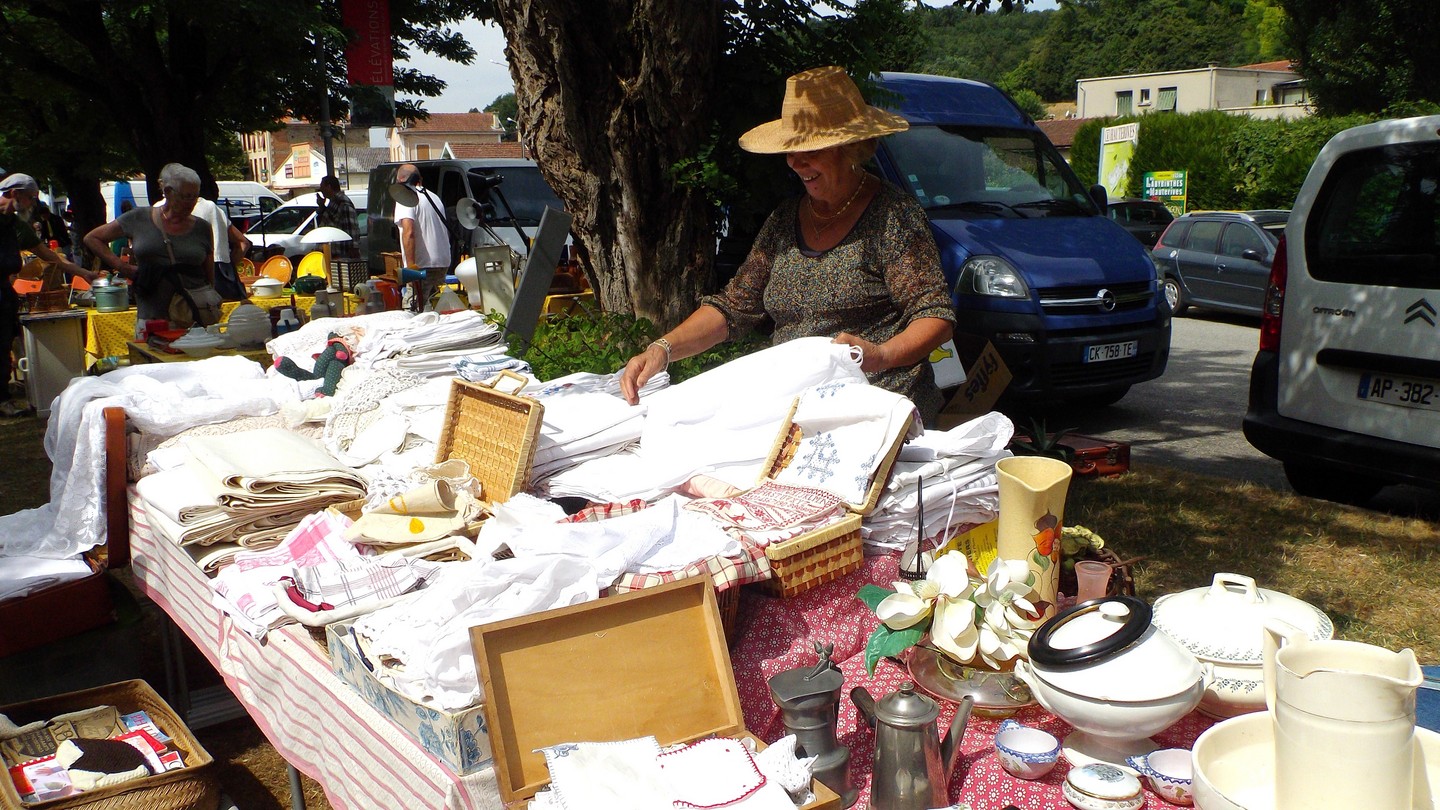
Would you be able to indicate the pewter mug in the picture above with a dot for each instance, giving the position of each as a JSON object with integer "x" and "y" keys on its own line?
{"x": 809, "y": 701}
{"x": 912, "y": 765}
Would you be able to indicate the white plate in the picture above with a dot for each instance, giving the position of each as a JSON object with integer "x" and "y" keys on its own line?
{"x": 1239, "y": 766}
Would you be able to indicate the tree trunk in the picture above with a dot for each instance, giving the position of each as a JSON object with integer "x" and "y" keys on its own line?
{"x": 612, "y": 93}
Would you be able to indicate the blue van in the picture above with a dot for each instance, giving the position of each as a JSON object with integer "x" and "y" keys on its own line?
{"x": 1067, "y": 297}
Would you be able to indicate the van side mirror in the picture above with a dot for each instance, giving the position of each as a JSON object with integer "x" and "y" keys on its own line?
{"x": 1100, "y": 197}
{"x": 1252, "y": 254}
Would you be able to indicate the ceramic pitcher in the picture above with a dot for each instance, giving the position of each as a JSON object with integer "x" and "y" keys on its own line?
{"x": 1344, "y": 717}
{"x": 1032, "y": 511}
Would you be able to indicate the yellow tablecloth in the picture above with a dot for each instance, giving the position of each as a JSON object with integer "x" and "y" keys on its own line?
{"x": 106, "y": 333}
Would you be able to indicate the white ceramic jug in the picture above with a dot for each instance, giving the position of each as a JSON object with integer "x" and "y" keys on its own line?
{"x": 1344, "y": 717}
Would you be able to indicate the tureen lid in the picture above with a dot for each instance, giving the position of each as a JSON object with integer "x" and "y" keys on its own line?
{"x": 1103, "y": 781}
{"x": 197, "y": 338}
{"x": 1108, "y": 649}
{"x": 1224, "y": 622}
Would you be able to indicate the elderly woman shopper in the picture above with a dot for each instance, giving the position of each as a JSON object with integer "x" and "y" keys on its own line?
{"x": 852, "y": 257}
{"x": 174, "y": 271}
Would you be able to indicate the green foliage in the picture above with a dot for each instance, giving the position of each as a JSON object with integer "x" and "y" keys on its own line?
{"x": 598, "y": 342}
{"x": 1364, "y": 55}
{"x": 1030, "y": 102}
{"x": 1198, "y": 143}
{"x": 1272, "y": 157}
{"x": 984, "y": 47}
{"x": 1088, "y": 38}
{"x": 507, "y": 111}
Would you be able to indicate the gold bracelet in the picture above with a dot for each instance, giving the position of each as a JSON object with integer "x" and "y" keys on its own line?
{"x": 664, "y": 344}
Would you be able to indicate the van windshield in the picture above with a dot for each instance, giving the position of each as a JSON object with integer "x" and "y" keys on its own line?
{"x": 989, "y": 172}
{"x": 524, "y": 188}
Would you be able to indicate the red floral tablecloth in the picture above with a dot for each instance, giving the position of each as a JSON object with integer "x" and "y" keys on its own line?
{"x": 777, "y": 635}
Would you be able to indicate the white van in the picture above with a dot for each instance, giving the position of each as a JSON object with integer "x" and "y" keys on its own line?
{"x": 244, "y": 201}
{"x": 1345, "y": 389}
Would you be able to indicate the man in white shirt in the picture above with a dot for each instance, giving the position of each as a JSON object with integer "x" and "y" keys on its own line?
{"x": 424, "y": 237}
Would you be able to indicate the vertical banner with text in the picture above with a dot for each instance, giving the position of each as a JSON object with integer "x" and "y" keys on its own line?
{"x": 1117, "y": 145}
{"x": 1168, "y": 188}
{"x": 369, "y": 63}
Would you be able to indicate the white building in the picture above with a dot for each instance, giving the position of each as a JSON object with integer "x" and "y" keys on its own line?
{"x": 1265, "y": 90}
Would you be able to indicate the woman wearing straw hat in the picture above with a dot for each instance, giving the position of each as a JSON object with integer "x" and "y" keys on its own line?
{"x": 852, "y": 257}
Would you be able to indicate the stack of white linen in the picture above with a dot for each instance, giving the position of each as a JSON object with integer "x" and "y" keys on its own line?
{"x": 955, "y": 469}
{"x": 249, "y": 488}
{"x": 722, "y": 423}
{"x": 585, "y": 418}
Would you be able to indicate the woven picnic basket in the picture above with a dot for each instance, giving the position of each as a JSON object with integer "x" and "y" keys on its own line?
{"x": 829, "y": 552}
{"x": 194, "y": 787}
{"x": 494, "y": 432}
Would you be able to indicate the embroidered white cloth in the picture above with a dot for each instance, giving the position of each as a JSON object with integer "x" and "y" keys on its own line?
{"x": 420, "y": 646}
{"x": 847, "y": 428}
{"x": 724, "y": 418}
{"x": 608, "y": 775}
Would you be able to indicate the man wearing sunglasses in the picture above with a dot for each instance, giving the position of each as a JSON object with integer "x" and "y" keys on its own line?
{"x": 18, "y": 195}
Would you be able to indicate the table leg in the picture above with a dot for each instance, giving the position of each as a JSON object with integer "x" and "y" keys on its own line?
{"x": 297, "y": 793}
{"x": 177, "y": 686}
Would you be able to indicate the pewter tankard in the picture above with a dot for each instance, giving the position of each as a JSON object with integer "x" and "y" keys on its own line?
{"x": 809, "y": 701}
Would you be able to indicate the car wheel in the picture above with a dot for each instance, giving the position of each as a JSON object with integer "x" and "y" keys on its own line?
{"x": 1101, "y": 399}
{"x": 1174, "y": 296}
{"x": 1314, "y": 481}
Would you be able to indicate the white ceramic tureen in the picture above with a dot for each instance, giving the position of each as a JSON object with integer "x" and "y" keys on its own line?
{"x": 197, "y": 342}
{"x": 1222, "y": 625}
{"x": 1102, "y": 667}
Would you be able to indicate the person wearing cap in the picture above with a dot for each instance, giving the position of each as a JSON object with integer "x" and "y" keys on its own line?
{"x": 19, "y": 194}
{"x": 852, "y": 257}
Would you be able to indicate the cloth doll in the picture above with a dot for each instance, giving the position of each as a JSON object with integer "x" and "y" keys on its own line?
{"x": 328, "y": 364}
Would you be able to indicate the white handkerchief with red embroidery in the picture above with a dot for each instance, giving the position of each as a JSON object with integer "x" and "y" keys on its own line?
{"x": 718, "y": 772}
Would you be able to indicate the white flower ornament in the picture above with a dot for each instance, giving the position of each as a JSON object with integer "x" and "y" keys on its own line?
{"x": 948, "y": 578}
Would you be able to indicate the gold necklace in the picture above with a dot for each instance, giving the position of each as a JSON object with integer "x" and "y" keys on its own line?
{"x": 810, "y": 201}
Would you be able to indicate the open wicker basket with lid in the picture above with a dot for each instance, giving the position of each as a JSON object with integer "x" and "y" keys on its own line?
{"x": 829, "y": 552}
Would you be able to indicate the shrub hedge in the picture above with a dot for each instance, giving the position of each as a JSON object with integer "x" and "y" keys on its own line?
{"x": 1235, "y": 162}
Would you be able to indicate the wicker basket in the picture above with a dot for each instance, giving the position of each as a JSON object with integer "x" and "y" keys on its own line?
{"x": 815, "y": 558}
{"x": 193, "y": 787}
{"x": 494, "y": 432}
{"x": 830, "y": 552}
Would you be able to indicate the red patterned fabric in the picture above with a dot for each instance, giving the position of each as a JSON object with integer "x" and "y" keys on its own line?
{"x": 779, "y": 634}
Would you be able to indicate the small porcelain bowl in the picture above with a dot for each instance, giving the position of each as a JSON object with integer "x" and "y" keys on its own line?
{"x": 1025, "y": 752}
{"x": 1102, "y": 787}
{"x": 1170, "y": 773}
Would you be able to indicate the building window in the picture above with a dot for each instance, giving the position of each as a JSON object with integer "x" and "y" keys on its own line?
{"x": 1262, "y": 97}
{"x": 1166, "y": 102}
{"x": 422, "y": 151}
{"x": 1145, "y": 97}
{"x": 1123, "y": 103}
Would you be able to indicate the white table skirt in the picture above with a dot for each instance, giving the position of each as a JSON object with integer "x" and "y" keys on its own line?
{"x": 316, "y": 721}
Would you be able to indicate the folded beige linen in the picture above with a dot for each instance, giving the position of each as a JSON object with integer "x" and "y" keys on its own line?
{"x": 272, "y": 459}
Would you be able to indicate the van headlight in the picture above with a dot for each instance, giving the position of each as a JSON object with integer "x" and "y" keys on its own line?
{"x": 991, "y": 275}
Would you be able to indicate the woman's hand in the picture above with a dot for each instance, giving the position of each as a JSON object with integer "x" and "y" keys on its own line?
{"x": 874, "y": 357}
{"x": 639, "y": 369}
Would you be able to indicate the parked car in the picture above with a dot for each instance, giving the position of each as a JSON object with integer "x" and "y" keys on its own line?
{"x": 280, "y": 232}
{"x": 1068, "y": 299}
{"x": 1345, "y": 389}
{"x": 1142, "y": 219}
{"x": 1219, "y": 259}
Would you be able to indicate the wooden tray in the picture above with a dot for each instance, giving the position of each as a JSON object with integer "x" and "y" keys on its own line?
{"x": 649, "y": 662}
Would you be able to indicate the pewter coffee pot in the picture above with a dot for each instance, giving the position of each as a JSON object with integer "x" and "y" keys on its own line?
{"x": 809, "y": 701}
{"x": 912, "y": 766}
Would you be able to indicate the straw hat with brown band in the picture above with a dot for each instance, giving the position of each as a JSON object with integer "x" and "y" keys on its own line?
{"x": 822, "y": 108}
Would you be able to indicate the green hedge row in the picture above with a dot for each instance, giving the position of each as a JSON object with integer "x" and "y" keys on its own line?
{"x": 1233, "y": 161}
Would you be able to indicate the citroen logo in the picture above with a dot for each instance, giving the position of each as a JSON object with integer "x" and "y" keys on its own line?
{"x": 1420, "y": 311}
{"x": 1107, "y": 300}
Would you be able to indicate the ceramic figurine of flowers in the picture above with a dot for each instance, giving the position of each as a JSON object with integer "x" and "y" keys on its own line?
{"x": 986, "y": 622}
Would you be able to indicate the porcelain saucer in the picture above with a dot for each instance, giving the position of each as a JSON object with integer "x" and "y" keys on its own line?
{"x": 1235, "y": 766}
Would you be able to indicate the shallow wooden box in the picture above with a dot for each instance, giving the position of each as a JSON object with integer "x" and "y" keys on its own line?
{"x": 649, "y": 662}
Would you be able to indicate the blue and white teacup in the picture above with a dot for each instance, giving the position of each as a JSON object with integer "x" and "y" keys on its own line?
{"x": 1025, "y": 752}
{"x": 1169, "y": 771}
